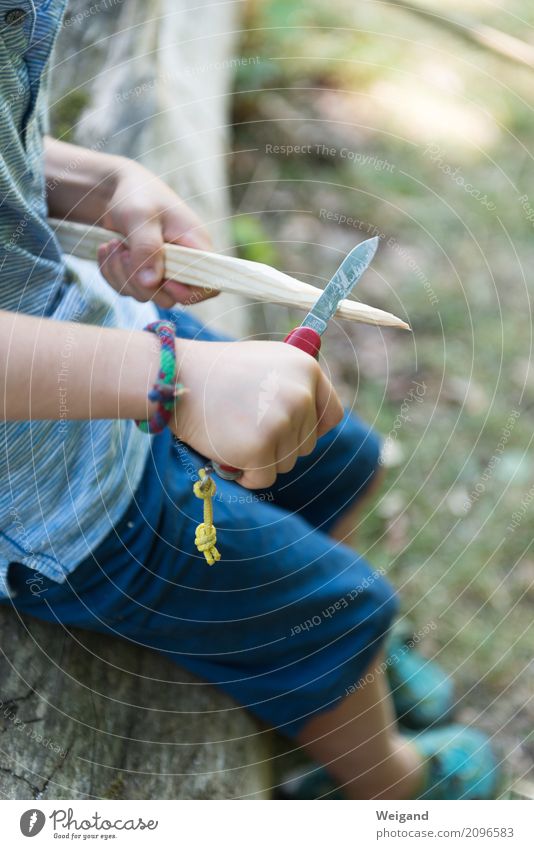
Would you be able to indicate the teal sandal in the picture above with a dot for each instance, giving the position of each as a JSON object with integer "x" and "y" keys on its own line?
{"x": 460, "y": 765}
{"x": 423, "y": 694}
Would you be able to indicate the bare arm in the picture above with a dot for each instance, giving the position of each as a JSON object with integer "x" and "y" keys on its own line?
{"x": 63, "y": 370}
{"x": 56, "y": 369}
{"x": 97, "y": 188}
{"x": 79, "y": 181}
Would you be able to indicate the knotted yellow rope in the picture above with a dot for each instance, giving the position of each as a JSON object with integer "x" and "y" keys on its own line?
{"x": 206, "y": 534}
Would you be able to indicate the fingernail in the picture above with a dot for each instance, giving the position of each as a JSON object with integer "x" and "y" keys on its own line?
{"x": 147, "y": 276}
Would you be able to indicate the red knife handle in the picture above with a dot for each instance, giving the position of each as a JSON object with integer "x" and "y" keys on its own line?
{"x": 307, "y": 340}
{"x": 227, "y": 473}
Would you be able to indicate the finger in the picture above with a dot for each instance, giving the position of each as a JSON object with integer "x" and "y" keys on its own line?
{"x": 163, "y": 299}
{"x": 145, "y": 261}
{"x": 308, "y": 435}
{"x": 188, "y": 295}
{"x": 101, "y": 256}
{"x": 105, "y": 250}
{"x": 182, "y": 226}
{"x": 258, "y": 479}
{"x": 110, "y": 264}
{"x": 287, "y": 453}
{"x": 328, "y": 405}
{"x": 194, "y": 237}
{"x": 141, "y": 293}
{"x": 262, "y": 475}
{"x": 113, "y": 261}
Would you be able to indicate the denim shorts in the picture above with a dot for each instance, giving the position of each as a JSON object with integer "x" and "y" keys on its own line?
{"x": 286, "y": 623}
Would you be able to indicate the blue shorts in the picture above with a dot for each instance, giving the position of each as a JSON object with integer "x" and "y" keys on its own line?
{"x": 286, "y": 623}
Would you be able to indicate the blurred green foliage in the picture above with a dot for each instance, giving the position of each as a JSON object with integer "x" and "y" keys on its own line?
{"x": 438, "y": 135}
{"x": 67, "y": 112}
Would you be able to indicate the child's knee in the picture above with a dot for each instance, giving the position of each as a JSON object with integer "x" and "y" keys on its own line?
{"x": 361, "y": 452}
{"x": 384, "y": 600}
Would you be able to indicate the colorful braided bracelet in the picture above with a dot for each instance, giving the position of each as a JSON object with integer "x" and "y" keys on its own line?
{"x": 166, "y": 388}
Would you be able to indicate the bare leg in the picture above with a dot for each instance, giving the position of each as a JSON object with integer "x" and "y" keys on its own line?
{"x": 344, "y": 529}
{"x": 358, "y": 743}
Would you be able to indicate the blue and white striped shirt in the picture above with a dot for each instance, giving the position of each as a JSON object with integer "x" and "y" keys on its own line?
{"x": 63, "y": 485}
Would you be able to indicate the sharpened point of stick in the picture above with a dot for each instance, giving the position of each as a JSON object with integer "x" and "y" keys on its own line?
{"x": 374, "y": 242}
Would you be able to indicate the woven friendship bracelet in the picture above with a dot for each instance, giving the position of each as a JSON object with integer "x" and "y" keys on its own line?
{"x": 166, "y": 388}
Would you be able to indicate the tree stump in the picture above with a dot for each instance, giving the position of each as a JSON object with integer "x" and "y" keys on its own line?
{"x": 83, "y": 716}
{"x": 152, "y": 80}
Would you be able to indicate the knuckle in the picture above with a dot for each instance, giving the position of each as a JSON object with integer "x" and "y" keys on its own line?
{"x": 267, "y": 479}
{"x": 287, "y": 463}
{"x": 255, "y": 452}
{"x": 258, "y": 478}
{"x": 339, "y": 412}
{"x": 146, "y": 245}
{"x": 273, "y": 428}
{"x": 140, "y": 210}
{"x": 303, "y": 397}
{"x": 308, "y": 447}
{"x": 314, "y": 369}
{"x": 139, "y": 294}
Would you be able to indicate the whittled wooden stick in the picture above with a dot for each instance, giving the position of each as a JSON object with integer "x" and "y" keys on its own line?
{"x": 226, "y": 273}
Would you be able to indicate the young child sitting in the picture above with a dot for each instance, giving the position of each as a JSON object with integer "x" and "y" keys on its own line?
{"x": 292, "y": 622}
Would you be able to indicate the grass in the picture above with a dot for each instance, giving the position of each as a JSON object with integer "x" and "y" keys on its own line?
{"x": 437, "y": 135}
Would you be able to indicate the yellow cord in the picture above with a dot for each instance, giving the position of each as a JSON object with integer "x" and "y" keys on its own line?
{"x": 206, "y": 534}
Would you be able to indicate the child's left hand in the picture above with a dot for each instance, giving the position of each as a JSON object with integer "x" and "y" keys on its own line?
{"x": 148, "y": 213}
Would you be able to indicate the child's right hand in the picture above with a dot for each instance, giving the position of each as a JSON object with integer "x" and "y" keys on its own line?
{"x": 254, "y": 405}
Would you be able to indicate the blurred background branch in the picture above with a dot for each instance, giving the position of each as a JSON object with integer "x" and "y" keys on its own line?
{"x": 501, "y": 43}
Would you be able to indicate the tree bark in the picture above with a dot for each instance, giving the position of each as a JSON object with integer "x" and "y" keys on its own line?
{"x": 152, "y": 80}
{"x": 83, "y": 716}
